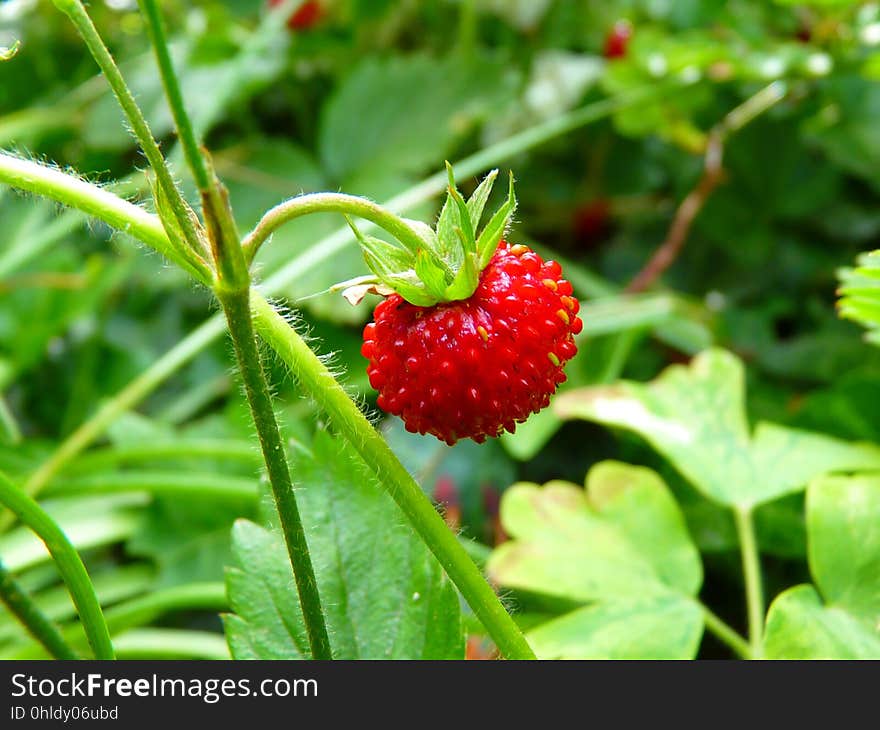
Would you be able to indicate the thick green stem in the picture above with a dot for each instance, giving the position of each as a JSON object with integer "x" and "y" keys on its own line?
{"x": 726, "y": 634}
{"x": 150, "y": 9}
{"x": 102, "y": 204}
{"x": 319, "y": 382}
{"x": 69, "y": 563}
{"x": 75, "y": 10}
{"x": 351, "y": 205}
{"x": 751, "y": 562}
{"x": 38, "y": 625}
{"x": 236, "y": 306}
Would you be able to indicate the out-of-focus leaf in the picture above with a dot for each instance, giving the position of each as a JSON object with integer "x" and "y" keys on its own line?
{"x": 405, "y": 114}
{"x": 840, "y": 617}
{"x": 620, "y": 547}
{"x": 695, "y": 416}
{"x": 860, "y": 294}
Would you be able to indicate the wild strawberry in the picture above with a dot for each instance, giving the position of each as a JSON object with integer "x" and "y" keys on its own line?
{"x": 617, "y": 40}
{"x": 474, "y": 332}
{"x": 305, "y": 16}
{"x": 474, "y": 367}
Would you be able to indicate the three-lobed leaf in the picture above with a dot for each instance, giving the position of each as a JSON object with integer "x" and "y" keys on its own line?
{"x": 839, "y": 618}
{"x": 695, "y": 417}
{"x": 619, "y": 550}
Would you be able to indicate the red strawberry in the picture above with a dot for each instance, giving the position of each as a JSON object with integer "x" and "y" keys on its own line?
{"x": 305, "y": 16}
{"x": 617, "y": 40}
{"x": 473, "y": 367}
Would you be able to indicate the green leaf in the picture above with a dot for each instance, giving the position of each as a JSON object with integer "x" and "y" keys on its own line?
{"x": 383, "y": 593}
{"x": 406, "y": 113}
{"x": 620, "y": 546}
{"x": 840, "y": 617}
{"x": 860, "y": 294}
{"x": 843, "y": 524}
{"x": 695, "y": 417}
{"x": 800, "y": 627}
{"x": 663, "y": 627}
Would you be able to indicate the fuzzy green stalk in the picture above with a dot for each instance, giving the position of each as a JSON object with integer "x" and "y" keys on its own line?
{"x": 75, "y": 10}
{"x": 37, "y": 624}
{"x": 69, "y": 563}
{"x": 236, "y": 306}
{"x": 319, "y": 382}
{"x": 350, "y": 205}
{"x": 191, "y": 150}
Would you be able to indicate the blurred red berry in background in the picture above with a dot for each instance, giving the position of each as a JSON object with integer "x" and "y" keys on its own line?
{"x": 446, "y": 496}
{"x": 617, "y": 39}
{"x": 591, "y": 222}
{"x": 305, "y": 16}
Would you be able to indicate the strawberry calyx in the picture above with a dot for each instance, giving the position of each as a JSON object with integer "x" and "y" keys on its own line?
{"x": 440, "y": 264}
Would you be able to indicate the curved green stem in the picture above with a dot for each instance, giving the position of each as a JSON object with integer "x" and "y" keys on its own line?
{"x": 194, "y": 159}
{"x": 69, "y": 563}
{"x": 751, "y": 562}
{"x": 330, "y": 203}
{"x": 319, "y": 382}
{"x": 236, "y": 306}
{"x": 724, "y": 633}
{"x": 75, "y": 10}
{"x": 38, "y": 625}
{"x": 99, "y": 203}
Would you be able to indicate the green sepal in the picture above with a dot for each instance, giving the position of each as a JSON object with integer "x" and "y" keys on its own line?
{"x": 465, "y": 282}
{"x": 393, "y": 266}
{"x": 489, "y": 239}
{"x": 477, "y": 202}
{"x": 431, "y": 275}
{"x": 447, "y": 266}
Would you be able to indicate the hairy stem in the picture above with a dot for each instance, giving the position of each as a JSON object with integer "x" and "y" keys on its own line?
{"x": 236, "y": 306}
{"x": 751, "y": 562}
{"x": 75, "y": 10}
{"x": 38, "y": 625}
{"x": 319, "y": 382}
{"x": 69, "y": 563}
{"x": 351, "y": 205}
{"x": 191, "y": 151}
{"x": 73, "y": 192}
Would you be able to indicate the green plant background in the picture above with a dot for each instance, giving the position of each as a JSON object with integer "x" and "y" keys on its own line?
{"x": 775, "y": 417}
